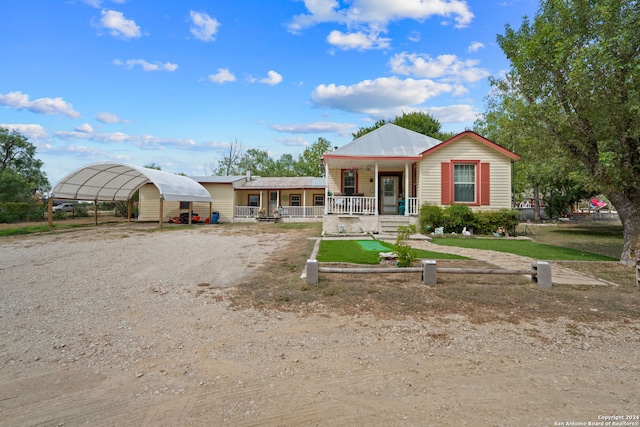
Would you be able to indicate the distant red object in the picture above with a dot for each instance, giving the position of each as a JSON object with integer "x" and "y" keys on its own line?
{"x": 597, "y": 204}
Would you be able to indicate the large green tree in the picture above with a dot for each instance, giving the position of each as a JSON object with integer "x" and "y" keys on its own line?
{"x": 576, "y": 69}
{"x": 21, "y": 172}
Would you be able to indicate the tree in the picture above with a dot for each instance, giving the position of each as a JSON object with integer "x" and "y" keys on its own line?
{"x": 310, "y": 161}
{"x": 416, "y": 121}
{"x": 547, "y": 176}
{"x": 228, "y": 165}
{"x": 21, "y": 172}
{"x": 576, "y": 71}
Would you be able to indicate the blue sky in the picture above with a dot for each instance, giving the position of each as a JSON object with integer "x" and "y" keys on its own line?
{"x": 175, "y": 82}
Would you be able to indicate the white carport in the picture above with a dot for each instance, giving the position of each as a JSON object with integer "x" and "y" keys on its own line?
{"x": 116, "y": 182}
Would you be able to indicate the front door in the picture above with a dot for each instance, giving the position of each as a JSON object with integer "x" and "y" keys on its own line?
{"x": 273, "y": 202}
{"x": 389, "y": 196}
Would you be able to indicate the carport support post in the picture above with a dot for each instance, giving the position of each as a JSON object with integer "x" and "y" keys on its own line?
{"x": 95, "y": 212}
{"x": 128, "y": 210}
{"x": 312, "y": 271}
{"x": 429, "y": 272}
{"x": 161, "y": 208}
{"x": 543, "y": 275}
{"x": 190, "y": 211}
{"x": 50, "y": 213}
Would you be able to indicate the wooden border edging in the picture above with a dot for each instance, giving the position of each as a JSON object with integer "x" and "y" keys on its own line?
{"x": 540, "y": 271}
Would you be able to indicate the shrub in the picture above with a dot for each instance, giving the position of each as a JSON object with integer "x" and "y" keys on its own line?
{"x": 14, "y": 212}
{"x": 456, "y": 217}
{"x": 430, "y": 217}
{"x": 406, "y": 254}
{"x": 81, "y": 211}
{"x": 489, "y": 221}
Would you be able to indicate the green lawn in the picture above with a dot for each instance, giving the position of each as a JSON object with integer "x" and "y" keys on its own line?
{"x": 351, "y": 251}
{"x": 523, "y": 247}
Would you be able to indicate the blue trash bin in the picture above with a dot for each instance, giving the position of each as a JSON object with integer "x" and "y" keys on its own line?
{"x": 215, "y": 216}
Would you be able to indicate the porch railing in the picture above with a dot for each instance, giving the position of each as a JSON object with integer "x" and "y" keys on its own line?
{"x": 284, "y": 211}
{"x": 351, "y": 205}
{"x": 246, "y": 211}
{"x": 413, "y": 208}
{"x": 301, "y": 211}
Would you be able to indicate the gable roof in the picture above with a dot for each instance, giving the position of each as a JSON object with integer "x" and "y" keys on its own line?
{"x": 478, "y": 138}
{"x": 387, "y": 141}
{"x": 117, "y": 182}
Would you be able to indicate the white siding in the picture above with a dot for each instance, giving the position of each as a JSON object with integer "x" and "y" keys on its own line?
{"x": 466, "y": 148}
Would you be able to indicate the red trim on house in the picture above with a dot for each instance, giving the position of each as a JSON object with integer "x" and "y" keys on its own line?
{"x": 483, "y": 182}
{"x": 477, "y": 137}
{"x": 446, "y": 183}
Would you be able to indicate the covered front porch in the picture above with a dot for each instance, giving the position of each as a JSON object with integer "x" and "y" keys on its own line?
{"x": 361, "y": 187}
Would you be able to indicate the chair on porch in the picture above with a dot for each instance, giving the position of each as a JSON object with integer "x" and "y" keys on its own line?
{"x": 401, "y": 207}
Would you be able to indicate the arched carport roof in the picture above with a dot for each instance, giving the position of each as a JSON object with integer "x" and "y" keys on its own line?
{"x": 117, "y": 182}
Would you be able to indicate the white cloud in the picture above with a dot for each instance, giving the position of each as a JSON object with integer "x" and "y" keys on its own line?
{"x": 317, "y": 127}
{"x": 475, "y": 46}
{"x": 204, "y": 27}
{"x": 415, "y": 36}
{"x": 358, "y": 40}
{"x": 146, "y": 66}
{"x": 272, "y": 78}
{"x": 144, "y": 142}
{"x": 222, "y": 76}
{"x": 373, "y": 96}
{"x": 48, "y": 106}
{"x": 31, "y": 131}
{"x": 379, "y": 12}
{"x": 85, "y": 127}
{"x": 105, "y": 117}
{"x": 118, "y": 25}
{"x": 460, "y": 113}
{"x": 98, "y": 3}
{"x": 445, "y": 67}
{"x": 295, "y": 141}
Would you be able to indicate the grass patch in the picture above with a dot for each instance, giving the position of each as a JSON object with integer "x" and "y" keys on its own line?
{"x": 350, "y": 251}
{"x": 32, "y": 229}
{"x": 523, "y": 247}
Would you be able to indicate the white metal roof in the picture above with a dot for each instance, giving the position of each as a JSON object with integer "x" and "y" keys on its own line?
{"x": 117, "y": 182}
{"x": 387, "y": 141}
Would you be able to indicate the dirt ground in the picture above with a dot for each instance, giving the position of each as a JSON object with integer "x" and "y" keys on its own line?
{"x": 120, "y": 326}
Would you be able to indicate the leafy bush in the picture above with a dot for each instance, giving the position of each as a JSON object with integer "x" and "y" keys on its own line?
{"x": 406, "y": 254}
{"x": 14, "y": 212}
{"x": 430, "y": 217}
{"x": 489, "y": 221}
{"x": 456, "y": 217}
{"x": 80, "y": 210}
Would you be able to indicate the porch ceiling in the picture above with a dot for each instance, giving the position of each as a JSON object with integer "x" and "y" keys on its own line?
{"x": 339, "y": 163}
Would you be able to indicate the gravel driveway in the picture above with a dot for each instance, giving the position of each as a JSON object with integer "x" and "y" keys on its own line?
{"x": 121, "y": 326}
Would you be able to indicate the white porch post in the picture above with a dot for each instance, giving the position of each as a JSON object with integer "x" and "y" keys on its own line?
{"x": 261, "y": 207}
{"x": 406, "y": 189}
{"x": 304, "y": 203}
{"x": 326, "y": 187}
{"x": 376, "y": 188}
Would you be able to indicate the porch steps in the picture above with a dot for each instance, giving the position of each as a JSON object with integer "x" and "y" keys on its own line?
{"x": 267, "y": 219}
{"x": 390, "y": 224}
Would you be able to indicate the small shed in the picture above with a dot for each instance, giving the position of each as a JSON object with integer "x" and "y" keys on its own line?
{"x": 116, "y": 182}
